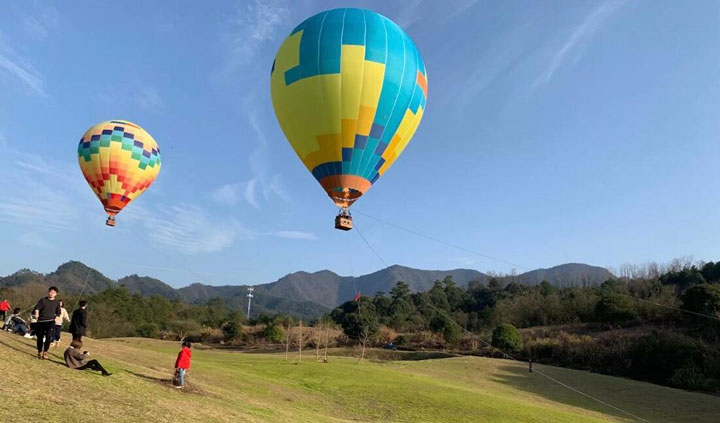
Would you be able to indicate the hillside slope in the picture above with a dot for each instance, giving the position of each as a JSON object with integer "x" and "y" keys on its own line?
{"x": 300, "y": 293}
{"x": 147, "y": 286}
{"x": 567, "y": 275}
{"x": 328, "y": 289}
{"x": 227, "y": 386}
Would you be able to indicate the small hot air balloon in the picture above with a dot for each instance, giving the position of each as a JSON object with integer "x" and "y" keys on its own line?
{"x": 349, "y": 90}
{"x": 119, "y": 160}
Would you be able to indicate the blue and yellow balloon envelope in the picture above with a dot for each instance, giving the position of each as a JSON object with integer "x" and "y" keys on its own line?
{"x": 349, "y": 88}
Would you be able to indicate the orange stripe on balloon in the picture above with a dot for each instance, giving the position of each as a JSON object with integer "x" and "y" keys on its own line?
{"x": 422, "y": 82}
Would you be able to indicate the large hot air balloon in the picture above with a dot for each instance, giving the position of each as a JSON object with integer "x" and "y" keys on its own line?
{"x": 349, "y": 89}
{"x": 119, "y": 160}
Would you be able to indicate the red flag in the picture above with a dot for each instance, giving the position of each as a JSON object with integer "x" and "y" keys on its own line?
{"x": 357, "y": 296}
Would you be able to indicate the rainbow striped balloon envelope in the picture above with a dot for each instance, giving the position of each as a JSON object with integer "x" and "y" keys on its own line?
{"x": 349, "y": 89}
{"x": 119, "y": 160}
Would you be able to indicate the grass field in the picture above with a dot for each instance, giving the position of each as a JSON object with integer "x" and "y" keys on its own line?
{"x": 227, "y": 386}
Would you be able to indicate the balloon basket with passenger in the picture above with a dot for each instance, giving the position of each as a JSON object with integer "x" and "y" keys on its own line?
{"x": 343, "y": 220}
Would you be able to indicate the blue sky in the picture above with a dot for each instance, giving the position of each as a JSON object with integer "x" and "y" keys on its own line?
{"x": 570, "y": 131}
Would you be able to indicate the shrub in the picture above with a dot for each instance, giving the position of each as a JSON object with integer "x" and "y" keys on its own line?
{"x": 689, "y": 377}
{"x": 212, "y": 335}
{"x": 507, "y": 338}
{"x": 615, "y": 308}
{"x": 147, "y": 330}
{"x": 387, "y": 335}
{"x": 452, "y": 333}
{"x": 231, "y": 330}
{"x": 274, "y": 333}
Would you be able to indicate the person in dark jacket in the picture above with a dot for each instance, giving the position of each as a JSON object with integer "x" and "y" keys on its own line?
{"x": 78, "y": 322}
{"x": 78, "y": 360}
{"x": 46, "y": 310}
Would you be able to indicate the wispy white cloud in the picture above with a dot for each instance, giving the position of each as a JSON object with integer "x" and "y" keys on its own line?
{"x": 181, "y": 270}
{"x": 264, "y": 185}
{"x": 265, "y": 17}
{"x": 459, "y": 7}
{"x": 38, "y": 193}
{"x": 40, "y": 23}
{"x": 465, "y": 261}
{"x": 15, "y": 67}
{"x": 228, "y": 194}
{"x": 252, "y": 27}
{"x": 273, "y": 188}
{"x": 251, "y": 193}
{"x": 409, "y": 13}
{"x": 136, "y": 94}
{"x": 147, "y": 97}
{"x": 495, "y": 61}
{"x": 38, "y": 165}
{"x": 579, "y": 35}
{"x": 191, "y": 230}
{"x": 294, "y": 235}
{"x": 35, "y": 240}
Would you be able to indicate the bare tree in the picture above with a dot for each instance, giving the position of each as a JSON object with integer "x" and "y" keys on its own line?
{"x": 287, "y": 341}
{"x": 317, "y": 334}
{"x": 286, "y": 323}
{"x": 301, "y": 341}
{"x": 327, "y": 341}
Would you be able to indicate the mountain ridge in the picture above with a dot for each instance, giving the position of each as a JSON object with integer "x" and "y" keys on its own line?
{"x": 298, "y": 292}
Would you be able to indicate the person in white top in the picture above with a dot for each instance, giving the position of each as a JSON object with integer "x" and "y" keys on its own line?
{"x": 58, "y": 324}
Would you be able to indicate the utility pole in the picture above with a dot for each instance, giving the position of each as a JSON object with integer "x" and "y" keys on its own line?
{"x": 249, "y": 297}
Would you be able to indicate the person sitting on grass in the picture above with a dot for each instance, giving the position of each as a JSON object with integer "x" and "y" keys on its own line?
{"x": 78, "y": 360}
{"x": 182, "y": 364}
{"x": 16, "y": 324}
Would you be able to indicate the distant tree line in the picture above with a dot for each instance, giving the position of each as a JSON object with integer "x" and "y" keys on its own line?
{"x": 630, "y": 326}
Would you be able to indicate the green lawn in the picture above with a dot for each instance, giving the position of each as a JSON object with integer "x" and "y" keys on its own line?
{"x": 227, "y": 386}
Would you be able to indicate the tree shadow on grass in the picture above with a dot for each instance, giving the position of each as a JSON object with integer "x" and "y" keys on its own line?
{"x": 520, "y": 378}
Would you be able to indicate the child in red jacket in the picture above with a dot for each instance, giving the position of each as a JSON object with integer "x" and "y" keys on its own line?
{"x": 182, "y": 364}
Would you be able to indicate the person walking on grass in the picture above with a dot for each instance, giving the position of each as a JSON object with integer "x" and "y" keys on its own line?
{"x": 78, "y": 323}
{"x": 58, "y": 324}
{"x": 4, "y": 308}
{"x": 46, "y": 310}
{"x": 182, "y": 364}
{"x": 77, "y": 360}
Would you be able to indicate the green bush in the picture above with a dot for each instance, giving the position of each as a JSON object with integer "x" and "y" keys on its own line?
{"x": 273, "y": 333}
{"x": 451, "y": 334}
{"x": 507, "y": 338}
{"x": 147, "y": 330}
{"x": 689, "y": 377}
{"x": 615, "y": 308}
{"x": 231, "y": 330}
